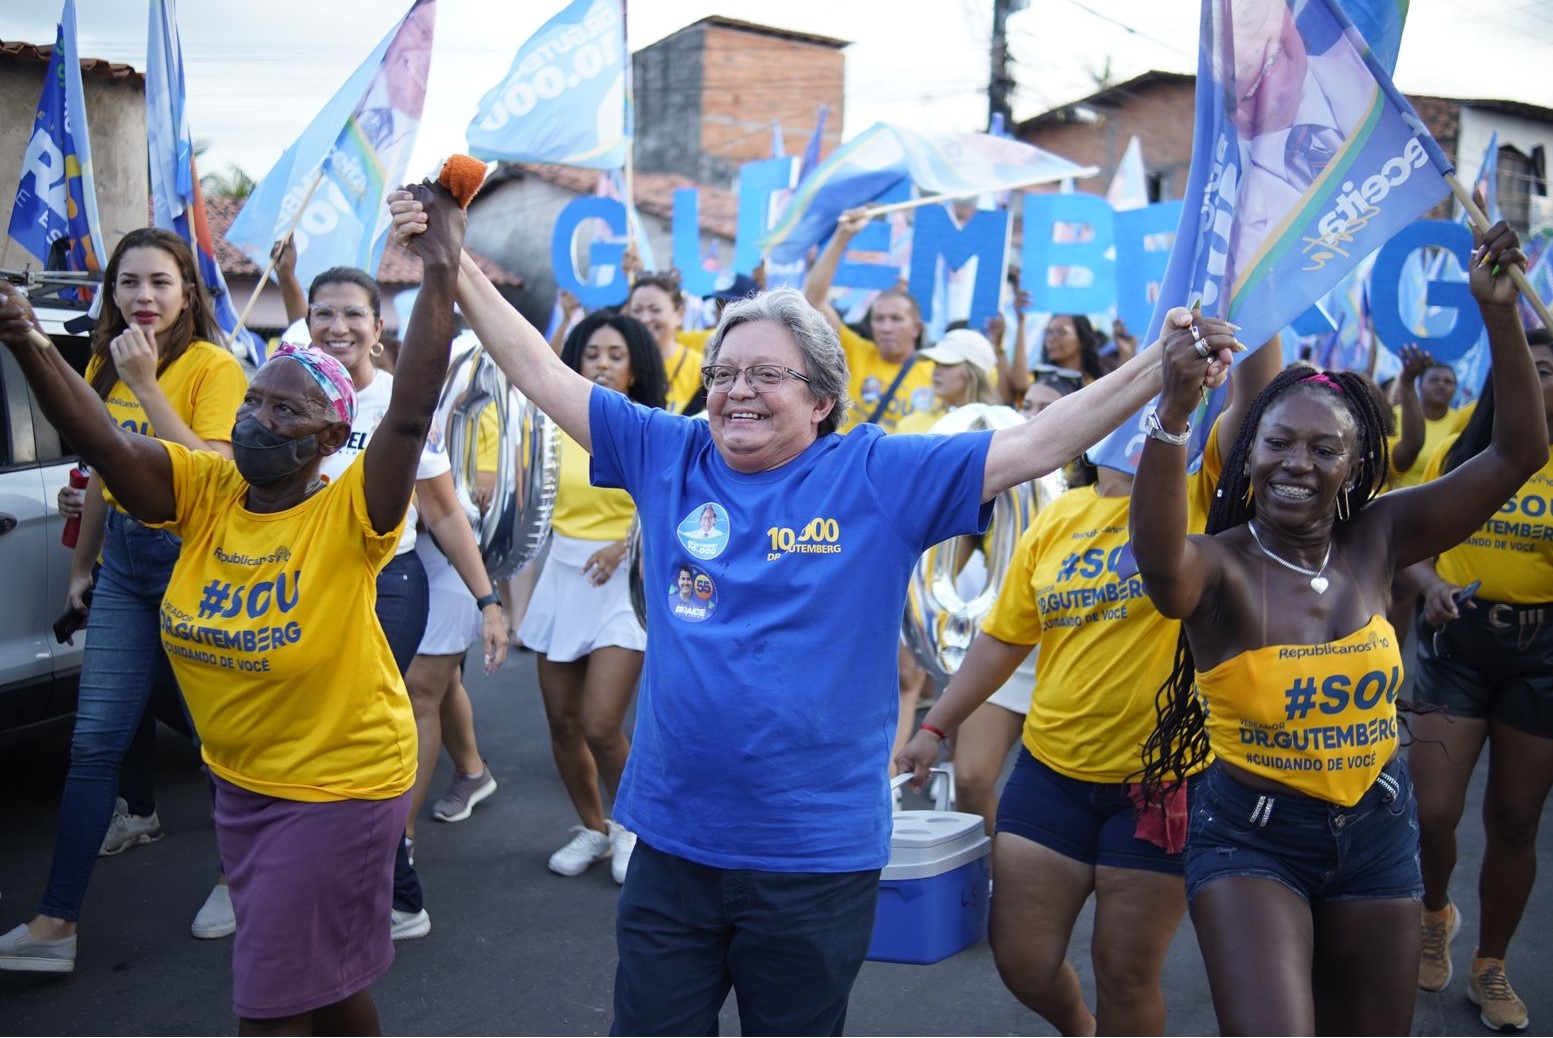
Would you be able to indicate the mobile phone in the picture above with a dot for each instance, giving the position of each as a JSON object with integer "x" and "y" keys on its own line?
{"x": 1461, "y": 594}
{"x": 71, "y": 620}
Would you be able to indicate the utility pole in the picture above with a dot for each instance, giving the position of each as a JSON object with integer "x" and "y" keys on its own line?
{"x": 1000, "y": 87}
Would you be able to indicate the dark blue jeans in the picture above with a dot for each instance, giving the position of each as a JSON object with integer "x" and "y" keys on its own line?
{"x": 402, "y": 604}
{"x": 789, "y": 944}
{"x": 118, "y": 669}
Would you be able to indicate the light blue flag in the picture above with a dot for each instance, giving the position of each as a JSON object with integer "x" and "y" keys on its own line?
{"x": 1488, "y": 180}
{"x": 1304, "y": 165}
{"x": 177, "y": 203}
{"x": 56, "y": 199}
{"x": 885, "y": 156}
{"x": 565, "y": 98}
{"x": 348, "y": 158}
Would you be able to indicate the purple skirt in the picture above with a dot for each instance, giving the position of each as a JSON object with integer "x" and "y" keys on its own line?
{"x": 312, "y": 889}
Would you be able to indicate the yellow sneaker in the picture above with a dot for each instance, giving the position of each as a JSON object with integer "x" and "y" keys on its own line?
{"x": 1490, "y": 989}
{"x": 1434, "y": 958}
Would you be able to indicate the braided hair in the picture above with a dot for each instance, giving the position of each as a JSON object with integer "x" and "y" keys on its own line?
{"x": 1179, "y": 742}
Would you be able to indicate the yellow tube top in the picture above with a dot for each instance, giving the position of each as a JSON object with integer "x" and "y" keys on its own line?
{"x": 1320, "y": 719}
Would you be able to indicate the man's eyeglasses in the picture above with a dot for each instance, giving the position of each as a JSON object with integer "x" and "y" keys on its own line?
{"x": 760, "y": 377}
{"x": 352, "y": 314}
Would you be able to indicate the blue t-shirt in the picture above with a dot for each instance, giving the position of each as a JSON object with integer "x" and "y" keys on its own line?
{"x": 766, "y": 716}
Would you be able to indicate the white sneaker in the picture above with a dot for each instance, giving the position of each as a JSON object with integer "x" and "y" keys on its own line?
{"x": 20, "y": 950}
{"x": 584, "y": 849}
{"x": 409, "y": 925}
{"x": 622, "y": 842}
{"x": 126, "y": 830}
{"x": 215, "y": 918}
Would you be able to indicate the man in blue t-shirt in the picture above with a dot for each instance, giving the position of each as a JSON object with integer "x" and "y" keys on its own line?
{"x": 757, "y": 783}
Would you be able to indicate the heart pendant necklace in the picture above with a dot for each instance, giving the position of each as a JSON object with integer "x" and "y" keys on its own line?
{"x": 1318, "y": 583}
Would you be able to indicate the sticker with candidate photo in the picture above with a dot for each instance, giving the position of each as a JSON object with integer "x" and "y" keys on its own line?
{"x": 704, "y": 532}
{"x": 692, "y": 595}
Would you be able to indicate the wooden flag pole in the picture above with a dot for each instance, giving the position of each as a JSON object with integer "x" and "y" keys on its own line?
{"x": 1517, "y": 275}
{"x": 264, "y": 278}
{"x": 949, "y": 196}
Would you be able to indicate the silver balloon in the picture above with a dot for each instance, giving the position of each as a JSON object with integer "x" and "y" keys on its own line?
{"x": 515, "y": 525}
{"x": 940, "y": 623}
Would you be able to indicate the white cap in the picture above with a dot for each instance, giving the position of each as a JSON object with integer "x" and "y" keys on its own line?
{"x": 963, "y": 346}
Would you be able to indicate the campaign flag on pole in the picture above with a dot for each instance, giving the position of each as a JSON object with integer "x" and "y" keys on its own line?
{"x": 56, "y": 200}
{"x": 811, "y": 152}
{"x": 884, "y": 155}
{"x": 350, "y": 156}
{"x": 177, "y": 203}
{"x": 1488, "y": 181}
{"x": 564, "y": 99}
{"x": 1307, "y": 160}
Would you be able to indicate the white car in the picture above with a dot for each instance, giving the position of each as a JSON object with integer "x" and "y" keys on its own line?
{"x": 38, "y": 676}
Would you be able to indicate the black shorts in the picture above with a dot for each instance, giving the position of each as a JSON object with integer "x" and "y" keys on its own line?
{"x": 1495, "y": 662}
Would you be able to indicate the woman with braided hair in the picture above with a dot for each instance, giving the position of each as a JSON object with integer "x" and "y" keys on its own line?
{"x": 1302, "y": 869}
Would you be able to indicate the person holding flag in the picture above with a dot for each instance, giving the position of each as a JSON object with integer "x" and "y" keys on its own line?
{"x": 1302, "y": 867}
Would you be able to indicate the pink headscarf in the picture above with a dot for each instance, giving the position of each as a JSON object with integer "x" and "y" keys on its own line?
{"x": 329, "y": 373}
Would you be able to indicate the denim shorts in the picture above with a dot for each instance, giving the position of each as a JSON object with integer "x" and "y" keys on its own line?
{"x": 1320, "y": 850}
{"x": 1495, "y": 662}
{"x": 1091, "y": 822}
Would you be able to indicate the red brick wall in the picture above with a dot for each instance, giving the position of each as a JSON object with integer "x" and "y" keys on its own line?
{"x": 1158, "y": 114}
{"x": 748, "y": 79}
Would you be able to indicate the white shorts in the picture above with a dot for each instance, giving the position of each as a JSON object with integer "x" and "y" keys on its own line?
{"x": 452, "y": 618}
{"x": 1018, "y": 690}
{"x": 569, "y": 617}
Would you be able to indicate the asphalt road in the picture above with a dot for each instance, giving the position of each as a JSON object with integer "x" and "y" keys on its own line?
{"x": 514, "y": 949}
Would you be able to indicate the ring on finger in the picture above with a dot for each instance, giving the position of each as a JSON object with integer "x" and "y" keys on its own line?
{"x": 1199, "y": 344}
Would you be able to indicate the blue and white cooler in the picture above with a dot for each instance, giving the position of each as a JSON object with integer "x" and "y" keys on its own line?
{"x": 933, "y": 894}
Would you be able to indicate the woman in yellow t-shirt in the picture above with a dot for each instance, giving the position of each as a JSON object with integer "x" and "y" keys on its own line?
{"x": 1072, "y": 822}
{"x": 269, "y": 622}
{"x": 1303, "y": 846}
{"x": 1487, "y": 662}
{"x": 155, "y": 372}
{"x": 580, "y": 620}
{"x": 657, "y": 301}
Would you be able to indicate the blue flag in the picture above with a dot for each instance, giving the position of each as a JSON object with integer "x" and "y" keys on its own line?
{"x": 1307, "y": 159}
{"x": 57, "y": 199}
{"x": 884, "y": 156}
{"x": 564, "y": 99}
{"x": 353, "y": 153}
{"x": 177, "y": 203}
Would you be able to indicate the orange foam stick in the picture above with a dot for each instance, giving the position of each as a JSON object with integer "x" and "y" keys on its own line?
{"x": 462, "y": 175}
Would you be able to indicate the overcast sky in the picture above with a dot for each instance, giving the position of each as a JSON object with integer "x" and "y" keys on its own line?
{"x": 259, "y": 70}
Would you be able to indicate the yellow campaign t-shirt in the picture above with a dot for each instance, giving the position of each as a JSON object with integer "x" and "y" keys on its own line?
{"x": 870, "y": 376}
{"x": 583, "y": 510}
{"x": 1511, "y": 553}
{"x": 204, "y": 386}
{"x": 919, "y": 421}
{"x": 1105, "y": 649}
{"x": 1321, "y": 719}
{"x": 684, "y": 372}
{"x": 1435, "y": 432}
{"x": 269, "y": 621}
{"x": 696, "y": 340}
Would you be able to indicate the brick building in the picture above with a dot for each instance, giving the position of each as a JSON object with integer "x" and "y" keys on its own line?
{"x": 707, "y": 94}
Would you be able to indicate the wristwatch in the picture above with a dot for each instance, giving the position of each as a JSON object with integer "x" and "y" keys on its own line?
{"x": 484, "y": 600}
{"x": 1156, "y": 431}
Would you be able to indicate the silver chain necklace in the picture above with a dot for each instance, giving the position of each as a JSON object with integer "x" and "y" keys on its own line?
{"x": 1318, "y": 583}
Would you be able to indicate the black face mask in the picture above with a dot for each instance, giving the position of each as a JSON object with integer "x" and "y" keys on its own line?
{"x": 264, "y": 457}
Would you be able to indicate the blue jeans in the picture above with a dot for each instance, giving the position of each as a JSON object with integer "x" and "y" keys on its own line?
{"x": 1321, "y": 851}
{"x": 118, "y": 670}
{"x": 790, "y": 944}
{"x": 403, "y": 601}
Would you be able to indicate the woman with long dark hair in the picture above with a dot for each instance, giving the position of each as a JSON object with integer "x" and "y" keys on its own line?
{"x": 580, "y": 620}
{"x": 1302, "y": 855}
{"x": 157, "y": 369}
{"x": 1485, "y": 659}
{"x": 1072, "y": 343}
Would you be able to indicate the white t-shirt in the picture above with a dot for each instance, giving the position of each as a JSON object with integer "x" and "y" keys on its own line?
{"x": 371, "y": 405}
